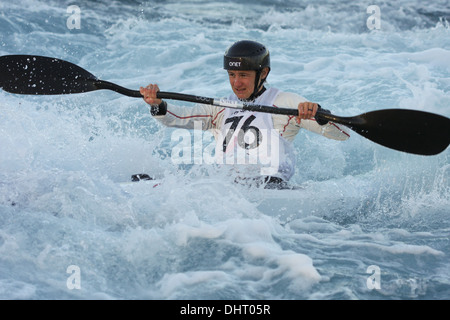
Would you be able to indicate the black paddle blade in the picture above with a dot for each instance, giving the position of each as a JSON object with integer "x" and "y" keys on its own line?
{"x": 411, "y": 131}
{"x": 25, "y": 74}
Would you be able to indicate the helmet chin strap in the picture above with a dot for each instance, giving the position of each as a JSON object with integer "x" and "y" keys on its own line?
{"x": 259, "y": 87}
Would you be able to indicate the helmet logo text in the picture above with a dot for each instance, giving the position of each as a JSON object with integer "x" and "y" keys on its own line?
{"x": 234, "y": 63}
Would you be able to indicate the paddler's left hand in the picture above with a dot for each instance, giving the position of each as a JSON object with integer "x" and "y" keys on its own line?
{"x": 306, "y": 110}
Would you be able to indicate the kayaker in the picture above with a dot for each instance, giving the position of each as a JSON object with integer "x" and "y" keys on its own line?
{"x": 265, "y": 155}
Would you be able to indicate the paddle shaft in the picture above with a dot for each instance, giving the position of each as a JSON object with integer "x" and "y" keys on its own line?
{"x": 100, "y": 84}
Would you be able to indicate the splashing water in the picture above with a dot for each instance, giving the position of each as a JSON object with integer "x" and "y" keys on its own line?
{"x": 198, "y": 235}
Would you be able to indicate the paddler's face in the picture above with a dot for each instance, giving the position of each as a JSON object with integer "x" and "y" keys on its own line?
{"x": 242, "y": 82}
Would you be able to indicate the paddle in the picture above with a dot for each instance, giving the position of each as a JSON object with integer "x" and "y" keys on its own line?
{"x": 411, "y": 131}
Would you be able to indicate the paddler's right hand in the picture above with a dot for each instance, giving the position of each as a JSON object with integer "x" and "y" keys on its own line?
{"x": 149, "y": 94}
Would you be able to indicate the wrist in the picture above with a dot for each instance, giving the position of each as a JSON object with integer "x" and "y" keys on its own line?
{"x": 158, "y": 109}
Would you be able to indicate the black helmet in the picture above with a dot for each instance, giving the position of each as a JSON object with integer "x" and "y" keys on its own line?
{"x": 246, "y": 55}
